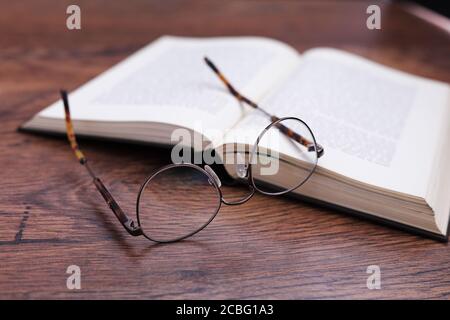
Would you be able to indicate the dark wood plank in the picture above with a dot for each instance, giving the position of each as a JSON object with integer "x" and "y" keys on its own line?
{"x": 52, "y": 217}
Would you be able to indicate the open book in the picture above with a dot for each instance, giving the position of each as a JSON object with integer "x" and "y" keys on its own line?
{"x": 386, "y": 134}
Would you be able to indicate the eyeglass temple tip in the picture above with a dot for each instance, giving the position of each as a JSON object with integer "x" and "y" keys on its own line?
{"x": 70, "y": 132}
{"x": 63, "y": 94}
{"x": 65, "y": 99}
{"x": 210, "y": 64}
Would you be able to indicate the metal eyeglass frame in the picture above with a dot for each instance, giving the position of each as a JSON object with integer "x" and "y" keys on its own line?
{"x": 134, "y": 228}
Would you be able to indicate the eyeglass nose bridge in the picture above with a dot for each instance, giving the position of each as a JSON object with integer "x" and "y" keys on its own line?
{"x": 218, "y": 183}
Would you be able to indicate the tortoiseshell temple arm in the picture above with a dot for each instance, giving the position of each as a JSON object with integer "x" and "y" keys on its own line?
{"x": 126, "y": 222}
{"x": 297, "y": 137}
{"x": 285, "y": 130}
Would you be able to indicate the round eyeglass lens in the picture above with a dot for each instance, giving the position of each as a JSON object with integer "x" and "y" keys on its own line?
{"x": 283, "y": 157}
{"x": 177, "y": 202}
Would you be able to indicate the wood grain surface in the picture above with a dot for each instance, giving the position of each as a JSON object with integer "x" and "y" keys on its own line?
{"x": 51, "y": 216}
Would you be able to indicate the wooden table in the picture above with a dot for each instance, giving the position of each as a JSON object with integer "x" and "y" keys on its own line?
{"x": 52, "y": 217}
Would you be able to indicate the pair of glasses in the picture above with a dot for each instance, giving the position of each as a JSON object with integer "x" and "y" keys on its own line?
{"x": 179, "y": 200}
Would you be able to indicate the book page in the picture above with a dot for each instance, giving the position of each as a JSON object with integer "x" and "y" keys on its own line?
{"x": 377, "y": 125}
{"x": 168, "y": 82}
